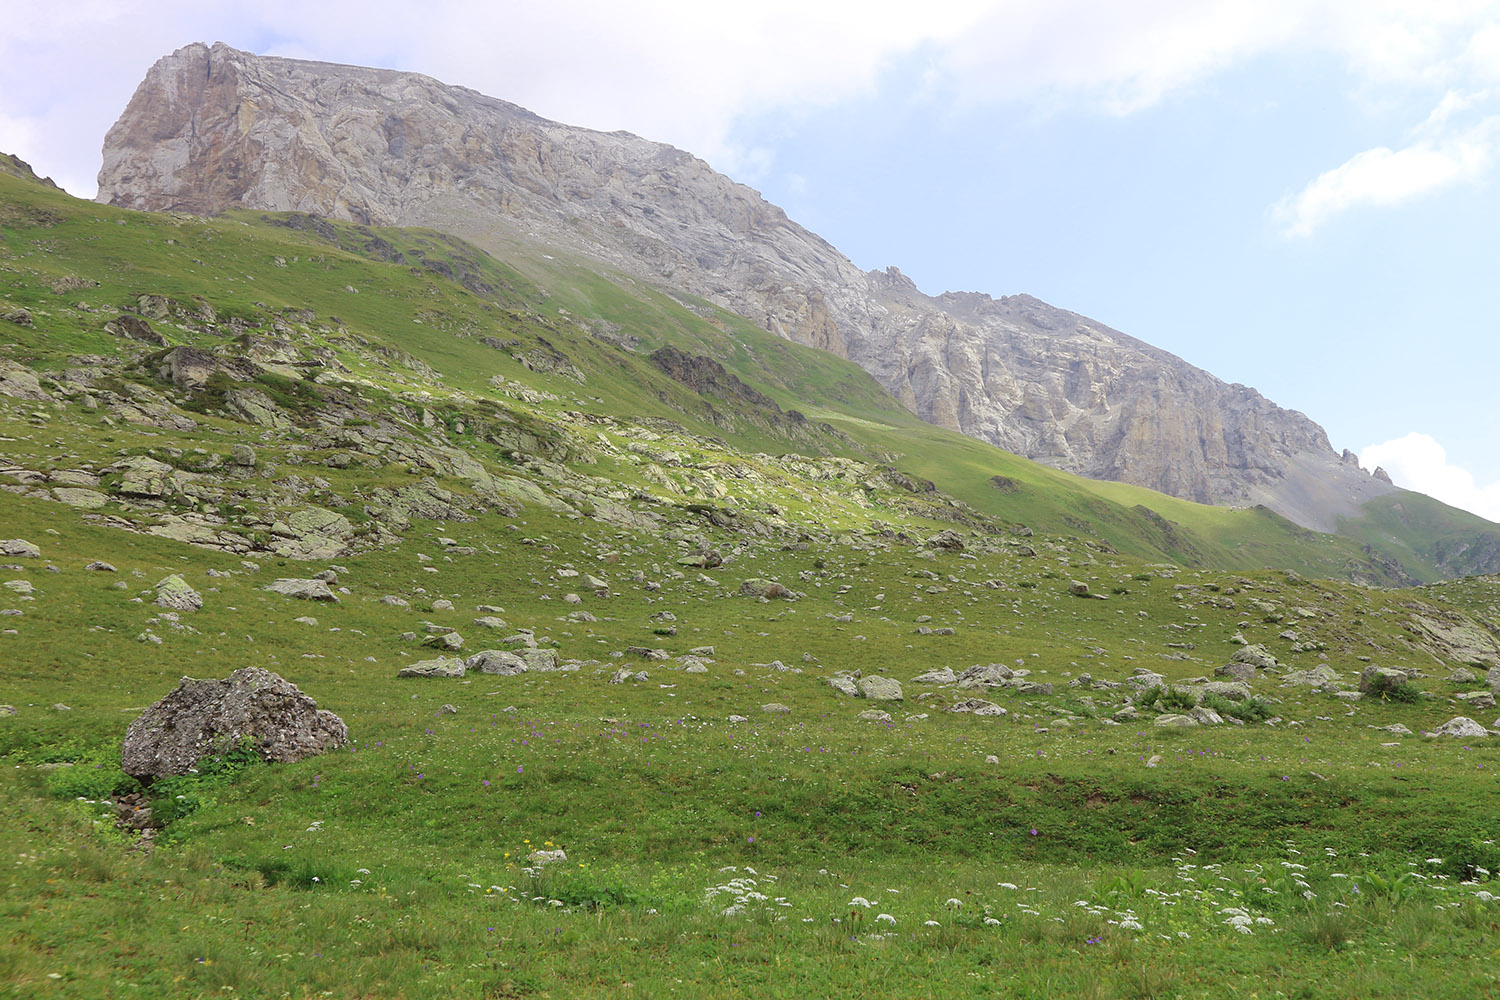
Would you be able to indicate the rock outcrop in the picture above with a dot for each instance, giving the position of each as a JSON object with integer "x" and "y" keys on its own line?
{"x": 204, "y": 717}
{"x": 215, "y": 128}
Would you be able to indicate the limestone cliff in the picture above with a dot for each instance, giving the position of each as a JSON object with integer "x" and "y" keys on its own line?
{"x": 215, "y": 128}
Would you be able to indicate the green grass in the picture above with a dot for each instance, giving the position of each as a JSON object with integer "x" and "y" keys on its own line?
{"x": 1056, "y": 849}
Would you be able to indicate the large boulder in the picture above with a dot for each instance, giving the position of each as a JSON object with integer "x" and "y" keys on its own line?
{"x": 19, "y": 548}
{"x": 204, "y": 717}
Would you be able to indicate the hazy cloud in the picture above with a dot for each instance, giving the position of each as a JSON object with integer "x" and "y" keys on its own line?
{"x": 684, "y": 72}
{"x": 1418, "y": 462}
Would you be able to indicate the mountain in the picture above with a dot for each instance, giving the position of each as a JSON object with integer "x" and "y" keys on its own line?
{"x": 211, "y": 129}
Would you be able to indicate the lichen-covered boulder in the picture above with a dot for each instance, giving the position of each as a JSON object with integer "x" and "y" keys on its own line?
{"x": 203, "y": 717}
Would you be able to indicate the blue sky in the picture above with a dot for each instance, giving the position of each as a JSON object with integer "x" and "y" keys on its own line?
{"x": 1298, "y": 196}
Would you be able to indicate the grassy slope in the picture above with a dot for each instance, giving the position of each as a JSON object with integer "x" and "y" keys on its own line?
{"x": 245, "y": 264}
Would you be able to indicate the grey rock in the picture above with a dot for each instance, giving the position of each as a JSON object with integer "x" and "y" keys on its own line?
{"x": 1462, "y": 675}
{"x": 7, "y": 710}
{"x": 1320, "y": 676}
{"x": 540, "y": 660}
{"x": 844, "y": 685}
{"x": 1256, "y": 655}
{"x": 946, "y": 540}
{"x": 100, "y": 567}
{"x": 877, "y": 688}
{"x": 1175, "y": 721}
{"x": 443, "y": 666}
{"x": 1239, "y": 671}
{"x": 1396, "y": 728}
{"x": 19, "y": 548}
{"x": 985, "y": 675}
{"x": 450, "y": 641}
{"x": 306, "y": 590}
{"x": 1478, "y": 701}
{"x": 1145, "y": 680}
{"x": 977, "y": 706}
{"x": 874, "y": 715}
{"x": 174, "y": 594}
{"x": 490, "y": 621}
{"x": 497, "y": 661}
{"x": 1032, "y": 687}
{"x": 1205, "y": 716}
{"x": 1463, "y": 728}
{"x": 775, "y": 708}
{"x": 943, "y": 675}
{"x": 1375, "y": 678}
{"x": 202, "y": 717}
{"x": 448, "y": 710}
{"x": 768, "y": 589}
{"x": 1233, "y": 690}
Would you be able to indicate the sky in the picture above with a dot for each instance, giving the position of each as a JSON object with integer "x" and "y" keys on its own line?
{"x": 1298, "y": 195}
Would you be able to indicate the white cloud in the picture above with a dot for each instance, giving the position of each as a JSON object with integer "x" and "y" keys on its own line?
{"x": 685, "y": 72}
{"x": 1418, "y": 462}
{"x": 1384, "y": 177}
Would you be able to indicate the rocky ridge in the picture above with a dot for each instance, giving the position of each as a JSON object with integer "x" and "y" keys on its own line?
{"x": 215, "y": 128}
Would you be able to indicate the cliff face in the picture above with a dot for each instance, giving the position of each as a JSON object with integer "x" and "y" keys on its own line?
{"x": 214, "y": 128}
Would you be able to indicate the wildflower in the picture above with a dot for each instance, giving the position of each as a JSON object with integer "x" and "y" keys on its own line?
{"x": 886, "y": 917}
{"x": 931, "y": 923}
{"x": 955, "y": 903}
{"x": 991, "y": 922}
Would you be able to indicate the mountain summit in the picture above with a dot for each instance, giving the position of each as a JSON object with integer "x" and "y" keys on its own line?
{"x": 215, "y": 128}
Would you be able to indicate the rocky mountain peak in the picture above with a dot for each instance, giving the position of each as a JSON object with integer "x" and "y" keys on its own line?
{"x": 213, "y": 128}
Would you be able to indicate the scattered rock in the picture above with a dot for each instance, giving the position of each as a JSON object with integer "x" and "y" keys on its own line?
{"x": 19, "y": 548}
{"x": 878, "y": 688}
{"x": 100, "y": 567}
{"x": 174, "y": 594}
{"x": 768, "y": 589}
{"x": 943, "y": 675}
{"x": 1176, "y": 721}
{"x": 776, "y": 708}
{"x": 874, "y": 715}
{"x": 844, "y": 684}
{"x": 443, "y": 666}
{"x": 450, "y": 641}
{"x": 978, "y": 706}
{"x": 1256, "y": 655}
{"x": 497, "y": 661}
{"x": 307, "y": 590}
{"x": 985, "y": 675}
{"x": 203, "y": 717}
{"x": 1463, "y": 728}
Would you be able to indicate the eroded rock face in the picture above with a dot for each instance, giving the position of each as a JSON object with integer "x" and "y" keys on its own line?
{"x": 202, "y": 717}
{"x": 215, "y": 128}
